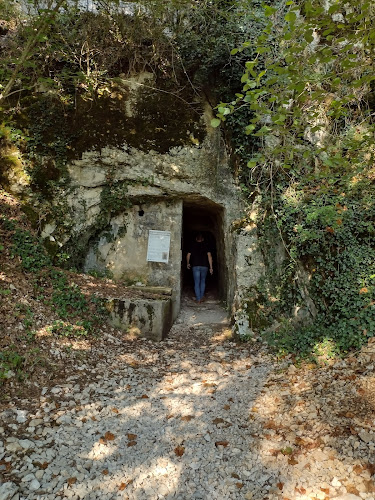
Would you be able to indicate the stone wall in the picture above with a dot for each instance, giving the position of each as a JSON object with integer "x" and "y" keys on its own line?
{"x": 123, "y": 249}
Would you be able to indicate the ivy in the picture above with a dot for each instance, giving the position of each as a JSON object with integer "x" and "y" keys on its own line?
{"x": 312, "y": 134}
{"x": 30, "y": 251}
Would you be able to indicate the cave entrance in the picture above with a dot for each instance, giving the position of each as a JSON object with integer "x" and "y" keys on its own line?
{"x": 206, "y": 217}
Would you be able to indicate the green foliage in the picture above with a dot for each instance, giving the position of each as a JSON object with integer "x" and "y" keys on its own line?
{"x": 70, "y": 302}
{"x": 28, "y": 320}
{"x": 10, "y": 360}
{"x": 67, "y": 298}
{"x": 47, "y": 143}
{"x": 113, "y": 200}
{"x": 95, "y": 273}
{"x": 100, "y": 307}
{"x": 70, "y": 330}
{"x": 308, "y": 91}
{"x": 295, "y": 95}
{"x": 30, "y": 250}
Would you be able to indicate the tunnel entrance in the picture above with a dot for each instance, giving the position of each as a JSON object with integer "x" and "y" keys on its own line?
{"x": 206, "y": 217}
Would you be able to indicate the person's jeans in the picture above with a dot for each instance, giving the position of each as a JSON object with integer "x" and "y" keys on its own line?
{"x": 199, "y": 275}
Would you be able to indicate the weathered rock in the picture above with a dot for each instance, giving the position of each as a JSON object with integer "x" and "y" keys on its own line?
{"x": 8, "y": 491}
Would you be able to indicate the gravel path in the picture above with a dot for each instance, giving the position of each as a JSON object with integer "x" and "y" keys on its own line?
{"x": 194, "y": 417}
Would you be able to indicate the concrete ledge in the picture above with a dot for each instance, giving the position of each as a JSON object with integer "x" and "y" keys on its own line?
{"x": 160, "y": 290}
{"x": 150, "y": 318}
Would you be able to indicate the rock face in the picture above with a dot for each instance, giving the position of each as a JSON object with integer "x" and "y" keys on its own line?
{"x": 160, "y": 190}
{"x": 164, "y": 174}
{"x": 119, "y": 193}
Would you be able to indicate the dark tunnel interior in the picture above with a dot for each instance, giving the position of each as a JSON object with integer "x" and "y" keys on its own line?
{"x": 204, "y": 216}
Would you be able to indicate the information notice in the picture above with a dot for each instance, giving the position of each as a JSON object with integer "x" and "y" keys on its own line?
{"x": 158, "y": 246}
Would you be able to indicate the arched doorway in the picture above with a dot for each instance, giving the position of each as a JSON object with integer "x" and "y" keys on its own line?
{"x": 203, "y": 215}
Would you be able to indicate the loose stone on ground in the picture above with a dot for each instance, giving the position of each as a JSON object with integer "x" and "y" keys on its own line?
{"x": 194, "y": 417}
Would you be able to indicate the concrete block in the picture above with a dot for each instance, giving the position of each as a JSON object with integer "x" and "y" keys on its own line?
{"x": 150, "y": 318}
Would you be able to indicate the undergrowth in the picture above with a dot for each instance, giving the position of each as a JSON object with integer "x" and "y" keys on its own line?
{"x": 53, "y": 294}
{"x": 311, "y": 109}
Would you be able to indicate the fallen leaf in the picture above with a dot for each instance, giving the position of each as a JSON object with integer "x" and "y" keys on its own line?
{"x": 217, "y": 421}
{"x": 124, "y": 485}
{"x": 326, "y": 490}
{"x": 132, "y": 443}
{"x": 144, "y": 396}
{"x": 94, "y": 419}
{"x": 280, "y": 486}
{"x": 239, "y": 485}
{"x": 131, "y": 437}
{"x": 313, "y": 445}
{"x": 163, "y": 397}
{"x": 179, "y": 450}
{"x": 301, "y": 442}
{"x": 292, "y": 461}
{"x": 102, "y": 440}
{"x": 115, "y": 410}
{"x": 370, "y": 468}
{"x": 370, "y": 486}
{"x": 169, "y": 416}
{"x": 109, "y": 436}
{"x": 236, "y": 476}
{"x": 271, "y": 425}
{"x": 105, "y": 472}
{"x": 72, "y": 480}
{"x": 187, "y": 418}
{"x": 221, "y": 443}
{"x": 226, "y": 407}
{"x": 8, "y": 465}
{"x": 350, "y": 488}
{"x": 357, "y": 469}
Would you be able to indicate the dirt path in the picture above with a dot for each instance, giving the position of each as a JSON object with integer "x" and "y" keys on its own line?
{"x": 194, "y": 417}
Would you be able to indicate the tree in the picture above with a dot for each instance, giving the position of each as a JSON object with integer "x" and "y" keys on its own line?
{"x": 35, "y": 34}
{"x": 309, "y": 92}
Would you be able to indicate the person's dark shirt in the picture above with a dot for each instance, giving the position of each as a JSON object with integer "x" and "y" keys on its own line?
{"x": 199, "y": 250}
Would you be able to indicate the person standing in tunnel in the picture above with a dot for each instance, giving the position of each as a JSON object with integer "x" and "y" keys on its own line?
{"x": 199, "y": 258}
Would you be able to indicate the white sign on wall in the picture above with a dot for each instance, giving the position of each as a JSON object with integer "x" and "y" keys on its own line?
{"x": 158, "y": 246}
